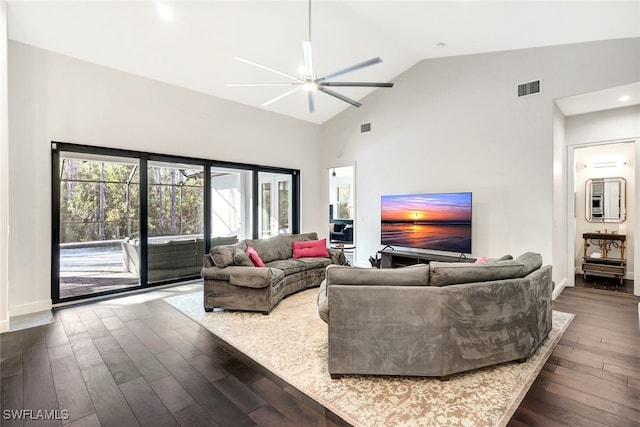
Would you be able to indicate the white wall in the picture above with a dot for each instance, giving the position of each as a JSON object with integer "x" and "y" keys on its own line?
{"x": 455, "y": 124}
{"x": 620, "y": 124}
{"x": 4, "y": 173}
{"x": 55, "y": 97}
{"x": 450, "y": 124}
{"x": 560, "y": 205}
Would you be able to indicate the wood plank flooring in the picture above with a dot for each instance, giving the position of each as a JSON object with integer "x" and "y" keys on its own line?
{"x": 593, "y": 376}
{"x": 145, "y": 363}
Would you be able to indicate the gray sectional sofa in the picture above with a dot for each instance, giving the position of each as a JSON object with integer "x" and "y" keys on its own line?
{"x": 437, "y": 319}
{"x": 230, "y": 282}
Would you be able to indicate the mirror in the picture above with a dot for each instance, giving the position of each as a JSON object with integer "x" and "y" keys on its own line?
{"x": 606, "y": 200}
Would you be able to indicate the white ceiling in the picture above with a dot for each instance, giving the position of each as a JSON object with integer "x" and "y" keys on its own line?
{"x": 195, "y": 49}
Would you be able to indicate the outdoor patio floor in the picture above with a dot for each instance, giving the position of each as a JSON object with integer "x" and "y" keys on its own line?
{"x": 89, "y": 270}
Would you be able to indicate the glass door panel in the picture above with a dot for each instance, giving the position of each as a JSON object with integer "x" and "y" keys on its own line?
{"x": 274, "y": 204}
{"x": 230, "y": 206}
{"x": 175, "y": 220}
{"x": 99, "y": 224}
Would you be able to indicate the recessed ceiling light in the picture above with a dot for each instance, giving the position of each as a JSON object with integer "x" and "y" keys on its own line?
{"x": 165, "y": 12}
{"x": 624, "y": 98}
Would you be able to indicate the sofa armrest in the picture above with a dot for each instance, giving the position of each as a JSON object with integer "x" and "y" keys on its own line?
{"x": 255, "y": 277}
{"x": 248, "y": 277}
{"x": 215, "y": 273}
{"x": 337, "y": 256}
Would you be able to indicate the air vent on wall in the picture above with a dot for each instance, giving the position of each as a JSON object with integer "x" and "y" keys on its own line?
{"x": 529, "y": 88}
{"x": 365, "y": 128}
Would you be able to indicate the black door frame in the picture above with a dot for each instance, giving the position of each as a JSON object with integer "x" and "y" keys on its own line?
{"x": 145, "y": 157}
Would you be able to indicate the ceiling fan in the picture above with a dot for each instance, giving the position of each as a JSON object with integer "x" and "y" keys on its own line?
{"x": 310, "y": 82}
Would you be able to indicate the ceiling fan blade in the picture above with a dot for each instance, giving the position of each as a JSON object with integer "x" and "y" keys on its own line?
{"x": 279, "y": 97}
{"x": 312, "y": 107}
{"x": 339, "y": 96}
{"x": 308, "y": 62}
{"x": 355, "y": 84}
{"x": 262, "y": 84}
{"x": 364, "y": 64}
{"x": 264, "y": 67}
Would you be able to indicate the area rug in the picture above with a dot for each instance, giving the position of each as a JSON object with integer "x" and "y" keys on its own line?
{"x": 291, "y": 342}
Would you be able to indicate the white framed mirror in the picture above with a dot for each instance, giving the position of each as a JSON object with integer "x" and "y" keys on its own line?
{"x": 605, "y": 199}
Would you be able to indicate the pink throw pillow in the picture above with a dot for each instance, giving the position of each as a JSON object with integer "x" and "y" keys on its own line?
{"x": 310, "y": 248}
{"x": 254, "y": 257}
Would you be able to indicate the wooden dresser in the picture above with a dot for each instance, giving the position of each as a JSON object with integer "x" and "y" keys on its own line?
{"x": 609, "y": 264}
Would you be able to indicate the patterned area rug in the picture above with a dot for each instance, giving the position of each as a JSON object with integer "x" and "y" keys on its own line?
{"x": 292, "y": 343}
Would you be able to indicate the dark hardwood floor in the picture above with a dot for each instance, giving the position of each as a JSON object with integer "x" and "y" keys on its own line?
{"x": 593, "y": 376}
{"x": 144, "y": 363}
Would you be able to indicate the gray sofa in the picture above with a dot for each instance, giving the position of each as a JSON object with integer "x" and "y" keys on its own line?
{"x": 437, "y": 319}
{"x": 232, "y": 283}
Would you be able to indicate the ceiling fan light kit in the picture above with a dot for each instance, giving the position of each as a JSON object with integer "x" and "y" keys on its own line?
{"x": 309, "y": 82}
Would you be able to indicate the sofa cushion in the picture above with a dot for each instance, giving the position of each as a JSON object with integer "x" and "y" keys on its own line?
{"x": 254, "y": 257}
{"x": 289, "y": 266}
{"x": 414, "y": 275}
{"x": 241, "y": 258}
{"x": 279, "y": 247}
{"x": 310, "y": 248}
{"x": 452, "y": 273}
{"x": 314, "y": 262}
{"x": 531, "y": 261}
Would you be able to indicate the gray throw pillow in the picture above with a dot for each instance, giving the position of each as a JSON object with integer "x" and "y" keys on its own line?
{"x": 531, "y": 261}
{"x": 240, "y": 257}
{"x": 222, "y": 256}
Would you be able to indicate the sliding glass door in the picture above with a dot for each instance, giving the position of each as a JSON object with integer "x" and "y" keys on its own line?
{"x": 124, "y": 219}
{"x": 230, "y": 205}
{"x": 175, "y": 222}
{"x": 99, "y": 212}
{"x": 274, "y": 204}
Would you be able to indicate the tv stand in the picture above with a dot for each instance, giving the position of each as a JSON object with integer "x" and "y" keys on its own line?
{"x": 400, "y": 258}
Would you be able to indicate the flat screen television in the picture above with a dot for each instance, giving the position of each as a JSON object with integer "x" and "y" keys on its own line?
{"x": 436, "y": 221}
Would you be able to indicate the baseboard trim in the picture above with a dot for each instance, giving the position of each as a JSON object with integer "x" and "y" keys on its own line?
{"x": 29, "y": 308}
{"x": 4, "y": 326}
{"x": 30, "y": 320}
{"x": 558, "y": 289}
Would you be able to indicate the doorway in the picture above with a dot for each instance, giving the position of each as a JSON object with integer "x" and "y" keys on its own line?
{"x": 601, "y": 263}
{"x": 342, "y": 224}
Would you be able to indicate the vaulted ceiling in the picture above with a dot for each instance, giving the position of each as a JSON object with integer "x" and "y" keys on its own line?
{"x": 193, "y": 46}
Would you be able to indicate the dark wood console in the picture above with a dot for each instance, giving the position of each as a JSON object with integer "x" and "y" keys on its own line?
{"x": 401, "y": 258}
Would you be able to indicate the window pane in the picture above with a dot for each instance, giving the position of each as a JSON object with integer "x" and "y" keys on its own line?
{"x": 274, "y": 209}
{"x": 230, "y": 206}
{"x": 265, "y": 210}
{"x": 175, "y": 220}
{"x": 99, "y": 213}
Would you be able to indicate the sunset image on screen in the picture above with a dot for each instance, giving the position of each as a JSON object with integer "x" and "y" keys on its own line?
{"x": 443, "y": 207}
{"x": 439, "y": 221}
